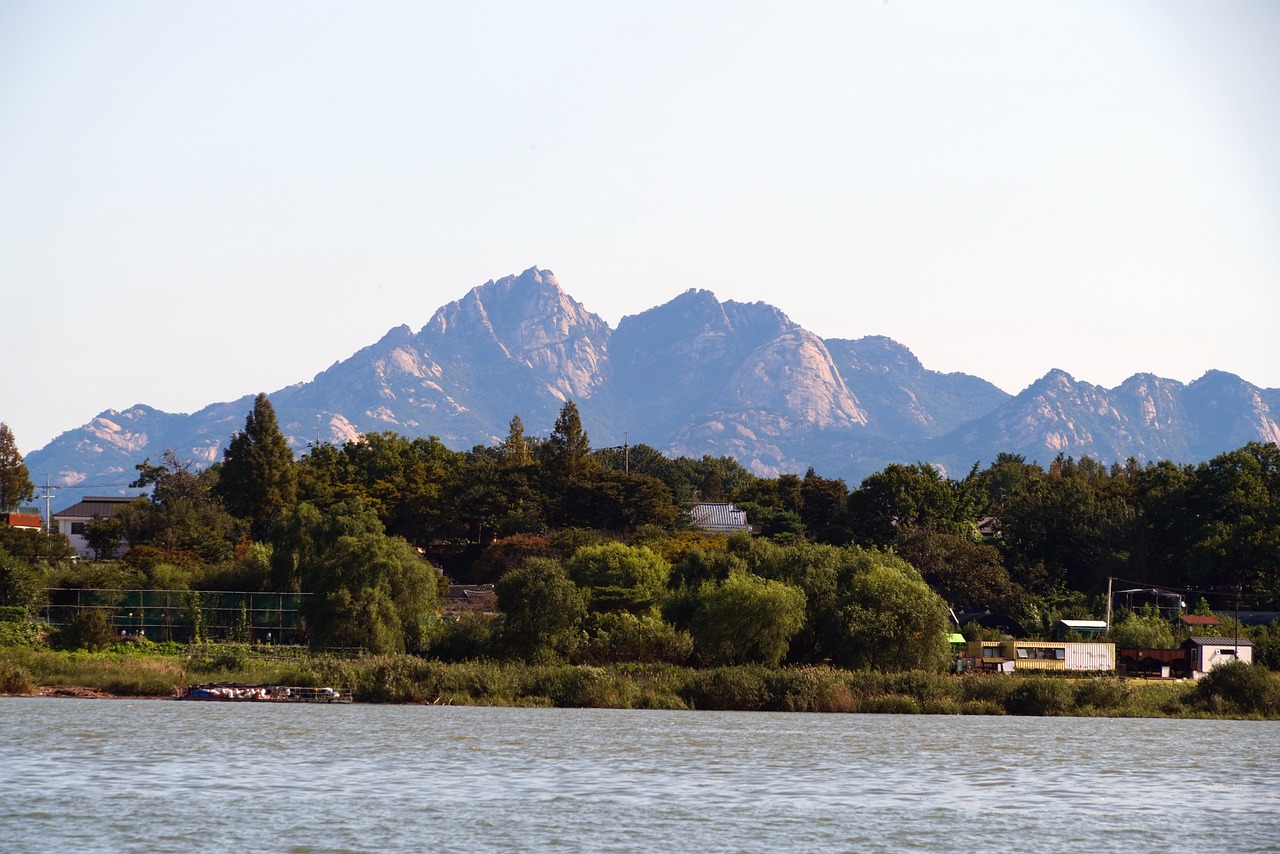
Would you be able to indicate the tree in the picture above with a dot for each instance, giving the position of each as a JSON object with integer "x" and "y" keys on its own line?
{"x": 969, "y": 576}
{"x": 908, "y": 495}
{"x": 22, "y": 582}
{"x": 889, "y": 619}
{"x": 515, "y": 450}
{"x": 747, "y": 619}
{"x": 542, "y": 610}
{"x": 103, "y": 536}
{"x": 617, "y": 577}
{"x": 183, "y": 514}
{"x": 823, "y": 504}
{"x": 369, "y": 589}
{"x": 258, "y": 479}
{"x": 15, "y": 483}
{"x": 507, "y": 554}
{"x": 1142, "y": 631}
{"x": 568, "y": 449}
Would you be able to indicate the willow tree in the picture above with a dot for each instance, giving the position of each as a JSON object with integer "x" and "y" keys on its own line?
{"x": 258, "y": 479}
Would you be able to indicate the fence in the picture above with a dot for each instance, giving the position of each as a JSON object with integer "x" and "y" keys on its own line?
{"x": 187, "y": 615}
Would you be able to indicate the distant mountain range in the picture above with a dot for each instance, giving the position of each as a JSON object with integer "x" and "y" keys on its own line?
{"x": 690, "y": 377}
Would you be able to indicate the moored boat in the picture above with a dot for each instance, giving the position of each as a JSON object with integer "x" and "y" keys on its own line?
{"x": 239, "y": 692}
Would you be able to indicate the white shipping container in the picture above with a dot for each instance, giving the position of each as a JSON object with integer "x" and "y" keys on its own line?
{"x": 1091, "y": 656}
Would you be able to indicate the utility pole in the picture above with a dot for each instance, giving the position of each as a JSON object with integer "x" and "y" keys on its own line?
{"x": 1109, "y": 580}
{"x": 46, "y": 498}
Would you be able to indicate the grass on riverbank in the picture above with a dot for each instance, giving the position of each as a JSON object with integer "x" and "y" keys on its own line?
{"x": 141, "y": 672}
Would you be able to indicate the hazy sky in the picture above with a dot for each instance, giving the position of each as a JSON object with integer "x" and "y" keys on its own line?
{"x": 201, "y": 201}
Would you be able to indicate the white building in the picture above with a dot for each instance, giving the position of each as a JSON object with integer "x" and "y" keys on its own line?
{"x": 71, "y": 521}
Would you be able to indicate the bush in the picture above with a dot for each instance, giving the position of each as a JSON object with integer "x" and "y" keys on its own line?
{"x": 1040, "y": 696}
{"x": 1245, "y": 688}
{"x": 14, "y": 679}
{"x": 88, "y": 629}
{"x": 576, "y": 687}
{"x": 20, "y": 634}
{"x": 1101, "y": 693}
{"x": 727, "y": 689}
{"x": 403, "y": 679}
{"x": 623, "y": 636}
{"x": 890, "y": 704}
{"x": 470, "y": 636}
{"x": 12, "y": 613}
{"x": 809, "y": 689}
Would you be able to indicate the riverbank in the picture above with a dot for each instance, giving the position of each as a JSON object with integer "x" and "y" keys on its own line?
{"x": 408, "y": 679}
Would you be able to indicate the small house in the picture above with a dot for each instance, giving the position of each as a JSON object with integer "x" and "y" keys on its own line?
{"x": 1206, "y": 653}
{"x": 1196, "y": 621}
{"x": 71, "y": 521}
{"x": 28, "y": 521}
{"x": 1087, "y": 629}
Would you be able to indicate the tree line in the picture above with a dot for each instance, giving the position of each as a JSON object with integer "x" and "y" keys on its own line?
{"x": 594, "y": 558}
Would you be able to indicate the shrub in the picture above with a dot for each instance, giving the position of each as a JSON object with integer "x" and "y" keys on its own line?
{"x": 1246, "y": 688}
{"x": 987, "y": 689}
{"x": 468, "y": 637}
{"x": 576, "y": 687}
{"x": 12, "y": 613}
{"x": 809, "y": 689}
{"x": 890, "y": 704}
{"x": 88, "y": 629}
{"x": 403, "y": 679}
{"x": 1101, "y": 693}
{"x": 14, "y": 679}
{"x": 623, "y": 636}
{"x": 19, "y": 634}
{"x": 727, "y": 689}
{"x": 1039, "y": 696}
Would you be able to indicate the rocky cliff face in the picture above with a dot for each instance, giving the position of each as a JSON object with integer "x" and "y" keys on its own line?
{"x": 693, "y": 376}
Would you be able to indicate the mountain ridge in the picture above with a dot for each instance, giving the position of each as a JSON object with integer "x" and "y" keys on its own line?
{"x": 691, "y": 376}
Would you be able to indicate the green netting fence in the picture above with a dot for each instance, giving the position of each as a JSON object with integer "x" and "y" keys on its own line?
{"x": 187, "y": 616}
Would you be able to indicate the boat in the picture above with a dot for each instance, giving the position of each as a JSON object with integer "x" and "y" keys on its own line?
{"x": 242, "y": 693}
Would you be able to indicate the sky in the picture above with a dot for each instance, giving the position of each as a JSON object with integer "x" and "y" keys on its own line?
{"x": 200, "y": 201}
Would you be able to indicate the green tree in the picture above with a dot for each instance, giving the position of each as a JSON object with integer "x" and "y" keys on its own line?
{"x": 183, "y": 516}
{"x": 968, "y": 575}
{"x": 902, "y": 495}
{"x": 22, "y": 582}
{"x": 258, "y": 479}
{"x": 567, "y": 452}
{"x": 747, "y": 619}
{"x": 15, "y": 482}
{"x": 1142, "y": 631}
{"x": 370, "y": 590}
{"x": 542, "y": 610}
{"x": 103, "y": 536}
{"x": 823, "y": 507}
{"x": 618, "y": 577}
{"x": 515, "y": 450}
{"x": 889, "y": 619}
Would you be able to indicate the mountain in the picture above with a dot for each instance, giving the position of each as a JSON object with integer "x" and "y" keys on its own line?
{"x": 689, "y": 377}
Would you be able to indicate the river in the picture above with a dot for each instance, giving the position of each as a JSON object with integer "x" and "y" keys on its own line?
{"x": 156, "y": 775}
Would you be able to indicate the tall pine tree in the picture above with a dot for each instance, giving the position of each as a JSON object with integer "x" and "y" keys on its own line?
{"x": 15, "y": 483}
{"x": 258, "y": 479}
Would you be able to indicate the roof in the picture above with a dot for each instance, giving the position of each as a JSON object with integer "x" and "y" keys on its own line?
{"x": 719, "y": 517}
{"x": 1099, "y": 625}
{"x": 101, "y": 506}
{"x": 1200, "y": 640}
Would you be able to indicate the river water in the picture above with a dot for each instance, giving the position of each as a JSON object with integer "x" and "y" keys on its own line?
{"x": 157, "y": 775}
